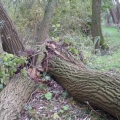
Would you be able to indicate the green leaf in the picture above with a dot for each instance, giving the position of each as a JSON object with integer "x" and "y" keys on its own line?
{"x": 6, "y": 63}
{"x": 26, "y": 61}
{"x": 24, "y": 72}
{"x": 9, "y": 55}
{"x": 47, "y": 77}
{"x": 29, "y": 107}
{"x": 15, "y": 60}
{"x": 66, "y": 107}
{"x": 65, "y": 94}
{"x": 61, "y": 111}
{"x": 11, "y": 63}
{"x": 73, "y": 50}
{"x": 67, "y": 41}
{"x": 55, "y": 29}
{"x": 1, "y": 61}
{"x": 41, "y": 86}
{"x": 48, "y": 96}
{"x": 57, "y": 39}
{"x": 1, "y": 86}
{"x": 74, "y": 43}
{"x": 58, "y": 25}
{"x": 53, "y": 26}
{"x": 5, "y": 58}
{"x": 55, "y": 116}
{"x": 2, "y": 80}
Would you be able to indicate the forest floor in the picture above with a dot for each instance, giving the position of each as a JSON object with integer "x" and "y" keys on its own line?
{"x": 51, "y": 102}
{"x": 109, "y": 62}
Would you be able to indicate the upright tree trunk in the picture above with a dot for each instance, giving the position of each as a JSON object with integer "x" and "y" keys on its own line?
{"x": 107, "y": 17}
{"x": 19, "y": 89}
{"x": 118, "y": 10}
{"x": 113, "y": 14}
{"x": 10, "y": 40}
{"x": 43, "y": 29}
{"x": 96, "y": 26}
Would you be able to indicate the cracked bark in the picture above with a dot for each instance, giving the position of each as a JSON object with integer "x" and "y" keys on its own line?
{"x": 11, "y": 42}
{"x": 14, "y": 96}
{"x": 99, "y": 89}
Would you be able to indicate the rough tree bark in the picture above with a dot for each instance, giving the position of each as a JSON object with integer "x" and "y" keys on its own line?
{"x": 99, "y": 89}
{"x": 118, "y": 10}
{"x": 11, "y": 42}
{"x": 14, "y": 96}
{"x": 113, "y": 14}
{"x": 43, "y": 29}
{"x": 19, "y": 89}
{"x": 96, "y": 26}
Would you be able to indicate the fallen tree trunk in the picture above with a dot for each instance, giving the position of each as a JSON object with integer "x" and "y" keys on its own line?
{"x": 99, "y": 89}
{"x": 14, "y": 96}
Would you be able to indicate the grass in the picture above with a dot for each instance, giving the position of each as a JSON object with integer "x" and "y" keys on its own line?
{"x": 111, "y": 61}
{"x": 112, "y": 34}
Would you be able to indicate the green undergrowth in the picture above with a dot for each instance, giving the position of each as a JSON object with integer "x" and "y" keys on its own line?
{"x": 52, "y": 100}
{"x": 8, "y": 66}
{"x": 112, "y": 34}
{"x": 109, "y": 62}
{"x": 105, "y": 61}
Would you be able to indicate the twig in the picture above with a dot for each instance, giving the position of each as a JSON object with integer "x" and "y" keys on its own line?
{"x": 94, "y": 110}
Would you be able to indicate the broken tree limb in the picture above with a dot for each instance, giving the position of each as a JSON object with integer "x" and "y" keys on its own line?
{"x": 97, "y": 88}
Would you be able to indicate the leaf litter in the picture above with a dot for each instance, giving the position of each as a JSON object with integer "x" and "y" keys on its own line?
{"x": 51, "y": 102}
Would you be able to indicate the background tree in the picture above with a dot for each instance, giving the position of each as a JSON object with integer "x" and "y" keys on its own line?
{"x": 118, "y": 10}
{"x": 96, "y": 26}
{"x": 107, "y": 18}
{"x": 43, "y": 29}
{"x": 71, "y": 17}
{"x": 10, "y": 39}
{"x": 113, "y": 12}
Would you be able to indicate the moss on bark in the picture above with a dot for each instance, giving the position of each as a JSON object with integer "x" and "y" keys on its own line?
{"x": 96, "y": 26}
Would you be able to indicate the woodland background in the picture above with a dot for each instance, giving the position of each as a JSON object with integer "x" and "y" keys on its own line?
{"x": 89, "y": 30}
